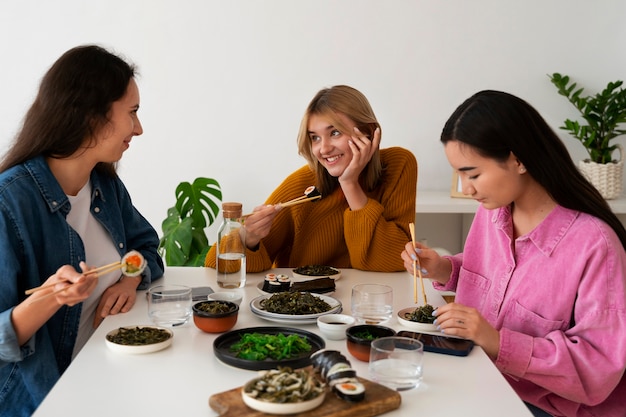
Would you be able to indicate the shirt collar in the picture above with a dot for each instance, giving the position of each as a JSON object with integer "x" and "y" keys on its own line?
{"x": 547, "y": 235}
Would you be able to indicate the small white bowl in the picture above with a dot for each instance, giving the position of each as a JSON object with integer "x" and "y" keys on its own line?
{"x": 232, "y": 296}
{"x": 413, "y": 325}
{"x": 334, "y": 326}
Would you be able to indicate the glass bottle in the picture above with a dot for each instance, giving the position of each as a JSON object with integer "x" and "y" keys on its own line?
{"x": 231, "y": 248}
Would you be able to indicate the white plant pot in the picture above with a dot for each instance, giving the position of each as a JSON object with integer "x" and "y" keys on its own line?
{"x": 607, "y": 178}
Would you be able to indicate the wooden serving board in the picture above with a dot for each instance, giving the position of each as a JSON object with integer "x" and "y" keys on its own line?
{"x": 378, "y": 400}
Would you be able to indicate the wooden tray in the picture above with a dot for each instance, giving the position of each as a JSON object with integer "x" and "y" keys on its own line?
{"x": 378, "y": 400}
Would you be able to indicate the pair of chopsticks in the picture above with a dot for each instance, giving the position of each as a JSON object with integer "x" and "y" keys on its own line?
{"x": 294, "y": 202}
{"x": 417, "y": 269}
{"x": 96, "y": 271}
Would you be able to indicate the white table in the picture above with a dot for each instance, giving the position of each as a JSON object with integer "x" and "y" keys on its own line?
{"x": 180, "y": 379}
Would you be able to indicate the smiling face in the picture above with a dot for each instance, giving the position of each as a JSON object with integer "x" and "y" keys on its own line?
{"x": 492, "y": 183}
{"x": 115, "y": 137}
{"x": 329, "y": 144}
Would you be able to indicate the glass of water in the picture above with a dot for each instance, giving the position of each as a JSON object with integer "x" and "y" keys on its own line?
{"x": 372, "y": 303}
{"x": 169, "y": 305}
{"x": 396, "y": 362}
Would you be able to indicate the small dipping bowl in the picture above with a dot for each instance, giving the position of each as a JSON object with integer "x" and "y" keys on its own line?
{"x": 334, "y": 326}
{"x": 359, "y": 339}
{"x": 215, "y": 322}
{"x": 231, "y": 296}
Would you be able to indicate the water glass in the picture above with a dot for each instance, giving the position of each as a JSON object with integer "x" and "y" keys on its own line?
{"x": 396, "y": 362}
{"x": 372, "y": 303}
{"x": 169, "y": 305}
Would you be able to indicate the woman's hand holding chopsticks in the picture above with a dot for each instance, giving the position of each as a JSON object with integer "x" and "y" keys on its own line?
{"x": 433, "y": 266}
{"x": 259, "y": 222}
{"x": 67, "y": 285}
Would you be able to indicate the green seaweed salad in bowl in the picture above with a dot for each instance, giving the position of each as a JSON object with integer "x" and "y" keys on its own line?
{"x": 418, "y": 319}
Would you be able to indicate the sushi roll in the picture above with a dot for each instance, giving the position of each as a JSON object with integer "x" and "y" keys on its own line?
{"x": 271, "y": 284}
{"x": 133, "y": 264}
{"x": 337, "y": 372}
{"x": 350, "y": 390}
{"x": 311, "y": 191}
{"x": 284, "y": 281}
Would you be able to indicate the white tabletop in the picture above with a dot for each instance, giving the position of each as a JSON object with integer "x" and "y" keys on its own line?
{"x": 180, "y": 379}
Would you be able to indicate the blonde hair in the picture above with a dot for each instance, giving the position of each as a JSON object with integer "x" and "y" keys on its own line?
{"x": 353, "y": 104}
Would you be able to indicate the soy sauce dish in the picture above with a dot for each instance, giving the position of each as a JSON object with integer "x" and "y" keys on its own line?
{"x": 334, "y": 326}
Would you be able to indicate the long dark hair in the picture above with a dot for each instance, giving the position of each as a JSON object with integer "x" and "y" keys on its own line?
{"x": 73, "y": 103}
{"x": 495, "y": 124}
{"x": 354, "y": 105}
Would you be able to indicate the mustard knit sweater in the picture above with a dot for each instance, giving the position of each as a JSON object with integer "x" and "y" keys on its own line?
{"x": 327, "y": 232}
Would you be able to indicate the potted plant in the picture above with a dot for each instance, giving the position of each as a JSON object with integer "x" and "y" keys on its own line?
{"x": 603, "y": 113}
{"x": 184, "y": 241}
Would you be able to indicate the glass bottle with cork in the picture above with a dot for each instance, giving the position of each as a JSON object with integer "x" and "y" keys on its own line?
{"x": 231, "y": 248}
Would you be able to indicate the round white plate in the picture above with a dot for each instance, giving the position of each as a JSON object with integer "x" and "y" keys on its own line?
{"x": 154, "y": 347}
{"x": 282, "y": 408}
{"x": 413, "y": 325}
{"x": 255, "y": 306}
{"x": 335, "y": 276}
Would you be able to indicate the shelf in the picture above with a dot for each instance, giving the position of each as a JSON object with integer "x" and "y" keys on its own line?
{"x": 441, "y": 202}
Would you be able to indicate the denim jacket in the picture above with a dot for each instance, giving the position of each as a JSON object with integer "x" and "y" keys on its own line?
{"x": 35, "y": 240}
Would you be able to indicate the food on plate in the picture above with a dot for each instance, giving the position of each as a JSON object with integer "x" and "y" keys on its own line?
{"x": 133, "y": 264}
{"x": 336, "y": 370}
{"x": 422, "y": 314}
{"x": 295, "y": 303}
{"x": 317, "y": 285}
{"x": 258, "y": 346}
{"x": 316, "y": 270}
{"x": 284, "y": 385}
{"x": 214, "y": 307}
{"x": 138, "y": 336}
{"x": 276, "y": 283}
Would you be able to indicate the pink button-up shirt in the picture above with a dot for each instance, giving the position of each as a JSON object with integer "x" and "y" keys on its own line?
{"x": 558, "y": 297}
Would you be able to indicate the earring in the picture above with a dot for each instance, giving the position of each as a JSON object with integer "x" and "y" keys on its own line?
{"x": 522, "y": 169}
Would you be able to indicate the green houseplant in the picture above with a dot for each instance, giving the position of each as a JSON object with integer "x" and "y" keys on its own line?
{"x": 604, "y": 114}
{"x": 184, "y": 241}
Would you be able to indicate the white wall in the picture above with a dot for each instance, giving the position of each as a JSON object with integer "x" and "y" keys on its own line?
{"x": 224, "y": 83}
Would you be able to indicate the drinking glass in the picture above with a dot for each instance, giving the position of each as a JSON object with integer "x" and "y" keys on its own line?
{"x": 396, "y": 362}
{"x": 169, "y": 305}
{"x": 372, "y": 303}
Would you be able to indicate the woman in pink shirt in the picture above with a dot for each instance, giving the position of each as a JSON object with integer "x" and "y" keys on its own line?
{"x": 541, "y": 283}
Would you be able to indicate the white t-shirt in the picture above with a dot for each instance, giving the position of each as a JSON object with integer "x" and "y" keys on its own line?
{"x": 99, "y": 250}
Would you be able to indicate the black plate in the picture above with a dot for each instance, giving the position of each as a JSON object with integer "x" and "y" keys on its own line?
{"x": 222, "y": 344}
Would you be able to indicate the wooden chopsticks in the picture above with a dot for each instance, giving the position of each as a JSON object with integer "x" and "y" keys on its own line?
{"x": 97, "y": 271}
{"x": 299, "y": 200}
{"x": 294, "y": 202}
{"x": 417, "y": 269}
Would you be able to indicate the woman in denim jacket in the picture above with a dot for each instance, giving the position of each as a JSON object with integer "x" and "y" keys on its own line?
{"x": 63, "y": 210}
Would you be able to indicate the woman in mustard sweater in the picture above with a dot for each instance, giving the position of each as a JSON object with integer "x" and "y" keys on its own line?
{"x": 368, "y": 195}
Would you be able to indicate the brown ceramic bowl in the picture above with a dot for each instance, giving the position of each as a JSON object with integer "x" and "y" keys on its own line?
{"x": 215, "y": 316}
{"x": 359, "y": 339}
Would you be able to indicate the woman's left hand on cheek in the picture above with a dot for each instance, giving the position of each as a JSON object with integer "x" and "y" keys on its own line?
{"x": 362, "y": 151}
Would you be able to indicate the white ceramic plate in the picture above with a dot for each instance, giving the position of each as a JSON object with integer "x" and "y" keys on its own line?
{"x": 282, "y": 408}
{"x": 255, "y": 306}
{"x": 413, "y": 325}
{"x": 335, "y": 276}
{"x": 138, "y": 349}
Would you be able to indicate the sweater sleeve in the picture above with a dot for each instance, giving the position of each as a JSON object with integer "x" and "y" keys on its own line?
{"x": 376, "y": 234}
{"x": 280, "y": 238}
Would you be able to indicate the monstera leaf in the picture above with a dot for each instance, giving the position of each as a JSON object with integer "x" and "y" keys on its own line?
{"x": 184, "y": 242}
